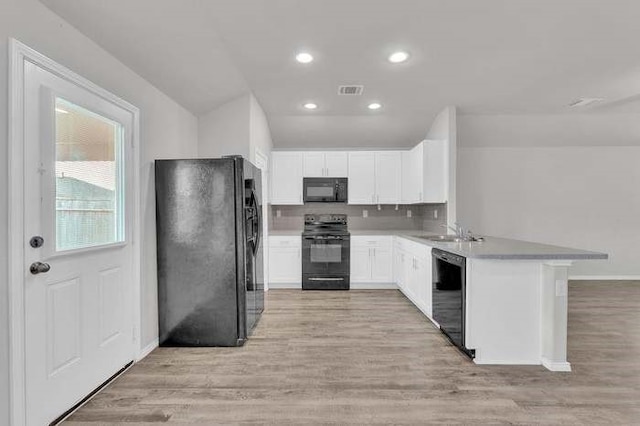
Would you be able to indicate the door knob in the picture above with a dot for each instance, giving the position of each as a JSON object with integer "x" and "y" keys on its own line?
{"x": 39, "y": 268}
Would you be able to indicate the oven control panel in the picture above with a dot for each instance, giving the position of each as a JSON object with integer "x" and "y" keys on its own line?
{"x": 322, "y": 219}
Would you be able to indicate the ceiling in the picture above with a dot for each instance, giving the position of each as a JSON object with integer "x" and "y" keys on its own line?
{"x": 485, "y": 57}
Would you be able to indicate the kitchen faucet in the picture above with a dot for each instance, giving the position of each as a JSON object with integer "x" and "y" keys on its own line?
{"x": 461, "y": 233}
{"x": 458, "y": 229}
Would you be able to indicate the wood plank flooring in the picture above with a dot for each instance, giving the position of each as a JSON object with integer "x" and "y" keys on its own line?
{"x": 369, "y": 357}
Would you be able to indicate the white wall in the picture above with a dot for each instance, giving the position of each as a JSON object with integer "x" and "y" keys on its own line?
{"x": 236, "y": 128}
{"x": 444, "y": 127}
{"x": 549, "y": 130}
{"x": 167, "y": 130}
{"x": 578, "y": 196}
{"x": 225, "y": 130}
{"x": 259, "y": 132}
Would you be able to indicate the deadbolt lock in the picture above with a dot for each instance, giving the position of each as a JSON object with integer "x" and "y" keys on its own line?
{"x": 36, "y": 242}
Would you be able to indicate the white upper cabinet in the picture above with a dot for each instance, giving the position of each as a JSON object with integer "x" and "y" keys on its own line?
{"x": 412, "y": 178}
{"x": 436, "y": 170}
{"x": 286, "y": 177}
{"x": 362, "y": 177}
{"x": 313, "y": 164}
{"x": 388, "y": 177}
{"x": 337, "y": 164}
{"x": 375, "y": 177}
{"x": 424, "y": 173}
{"x": 325, "y": 164}
{"x": 419, "y": 175}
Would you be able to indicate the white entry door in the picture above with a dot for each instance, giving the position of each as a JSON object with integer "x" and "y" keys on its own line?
{"x": 78, "y": 204}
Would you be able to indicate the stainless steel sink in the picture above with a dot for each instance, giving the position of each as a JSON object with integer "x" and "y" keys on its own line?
{"x": 444, "y": 238}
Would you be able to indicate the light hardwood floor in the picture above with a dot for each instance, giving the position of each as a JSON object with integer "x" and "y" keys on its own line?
{"x": 369, "y": 357}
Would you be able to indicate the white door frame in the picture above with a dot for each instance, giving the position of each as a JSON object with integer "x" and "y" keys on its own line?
{"x": 18, "y": 54}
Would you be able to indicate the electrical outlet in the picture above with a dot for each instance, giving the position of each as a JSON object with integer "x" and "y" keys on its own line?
{"x": 365, "y": 213}
{"x": 278, "y": 213}
{"x": 435, "y": 214}
{"x": 409, "y": 214}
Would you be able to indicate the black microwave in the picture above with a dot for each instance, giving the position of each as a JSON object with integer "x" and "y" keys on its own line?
{"x": 324, "y": 190}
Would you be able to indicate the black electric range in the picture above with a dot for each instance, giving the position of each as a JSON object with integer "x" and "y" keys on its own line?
{"x": 325, "y": 252}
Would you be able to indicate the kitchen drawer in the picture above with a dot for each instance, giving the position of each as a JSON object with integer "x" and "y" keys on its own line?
{"x": 285, "y": 241}
{"x": 372, "y": 241}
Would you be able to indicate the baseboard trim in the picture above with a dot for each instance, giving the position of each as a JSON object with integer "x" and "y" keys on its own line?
{"x": 353, "y": 286}
{"x": 604, "y": 277}
{"x": 147, "y": 349}
{"x": 373, "y": 286}
{"x": 562, "y": 366}
{"x": 277, "y": 286}
{"x": 481, "y": 361}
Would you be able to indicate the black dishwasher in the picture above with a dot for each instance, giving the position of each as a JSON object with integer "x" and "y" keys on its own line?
{"x": 449, "y": 294}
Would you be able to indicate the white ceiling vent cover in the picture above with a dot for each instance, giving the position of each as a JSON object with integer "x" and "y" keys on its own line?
{"x": 352, "y": 90}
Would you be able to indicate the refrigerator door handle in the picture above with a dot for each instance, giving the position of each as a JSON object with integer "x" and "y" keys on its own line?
{"x": 258, "y": 231}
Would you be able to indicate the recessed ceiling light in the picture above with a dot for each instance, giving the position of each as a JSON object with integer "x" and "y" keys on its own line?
{"x": 374, "y": 105}
{"x": 310, "y": 105}
{"x": 398, "y": 57}
{"x": 304, "y": 57}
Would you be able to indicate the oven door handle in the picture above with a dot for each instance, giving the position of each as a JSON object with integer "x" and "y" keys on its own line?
{"x": 325, "y": 279}
{"x": 323, "y": 238}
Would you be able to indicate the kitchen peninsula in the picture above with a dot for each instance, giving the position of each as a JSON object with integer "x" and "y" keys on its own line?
{"x": 515, "y": 309}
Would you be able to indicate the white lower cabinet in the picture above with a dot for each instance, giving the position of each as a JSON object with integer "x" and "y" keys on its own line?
{"x": 382, "y": 266}
{"x": 285, "y": 260}
{"x": 371, "y": 259}
{"x": 412, "y": 272}
{"x": 376, "y": 259}
{"x": 360, "y": 264}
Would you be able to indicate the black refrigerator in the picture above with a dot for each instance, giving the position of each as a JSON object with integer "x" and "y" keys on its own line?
{"x": 210, "y": 254}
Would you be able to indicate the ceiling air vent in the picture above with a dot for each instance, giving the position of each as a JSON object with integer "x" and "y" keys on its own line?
{"x": 350, "y": 90}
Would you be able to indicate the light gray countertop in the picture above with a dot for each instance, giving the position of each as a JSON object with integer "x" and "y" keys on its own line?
{"x": 490, "y": 248}
{"x": 508, "y": 249}
{"x": 392, "y": 232}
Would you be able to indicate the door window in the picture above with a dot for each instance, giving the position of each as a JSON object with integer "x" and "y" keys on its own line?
{"x": 89, "y": 178}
